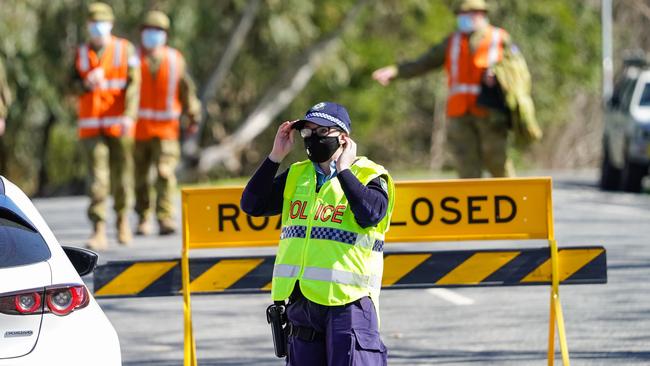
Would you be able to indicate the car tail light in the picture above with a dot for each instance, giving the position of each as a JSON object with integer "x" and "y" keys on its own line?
{"x": 59, "y": 300}
{"x": 63, "y": 300}
{"x": 28, "y": 303}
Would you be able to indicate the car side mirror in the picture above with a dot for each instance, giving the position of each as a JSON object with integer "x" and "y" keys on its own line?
{"x": 615, "y": 101}
{"x": 83, "y": 260}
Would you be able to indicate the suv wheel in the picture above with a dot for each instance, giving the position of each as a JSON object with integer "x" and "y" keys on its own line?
{"x": 632, "y": 176}
{"x": 610, "y": 176}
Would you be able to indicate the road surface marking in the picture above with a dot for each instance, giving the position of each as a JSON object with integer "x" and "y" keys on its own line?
{"x": 451, "y": 296}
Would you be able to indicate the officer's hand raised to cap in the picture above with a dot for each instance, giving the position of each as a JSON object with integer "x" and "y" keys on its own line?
{"x": 385, "y": 74}
{"x": 349, "y": 154}
{"x": 283, "y": 142}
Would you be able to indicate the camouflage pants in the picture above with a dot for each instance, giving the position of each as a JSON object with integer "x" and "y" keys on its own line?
{"x": 480, "y": 143}
{"x": 164, "y": 156}
{"x": 110, "y": 163}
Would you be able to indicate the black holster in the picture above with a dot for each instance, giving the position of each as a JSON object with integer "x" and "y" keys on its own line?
{"x": 276, "y": 315}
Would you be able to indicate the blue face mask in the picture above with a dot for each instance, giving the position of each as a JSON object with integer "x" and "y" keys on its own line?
{"x": 152, "y": 38}
{"x": 99, "y": 29}
{"x": 465, "y": 23}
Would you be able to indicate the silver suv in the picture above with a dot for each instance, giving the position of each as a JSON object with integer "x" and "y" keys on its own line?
{"x": 626, "y": 138}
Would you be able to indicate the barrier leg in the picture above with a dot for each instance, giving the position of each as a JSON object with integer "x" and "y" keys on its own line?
{"x": 189, "y": 345}
{"x": 551, "y": 332}
{"x": 556, "y": 311}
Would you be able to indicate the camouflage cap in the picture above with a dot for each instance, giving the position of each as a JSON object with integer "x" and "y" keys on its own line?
{"x": 100, "y": 12}
{"x": 471, "y": 5}
{"x": 156, "y": 19}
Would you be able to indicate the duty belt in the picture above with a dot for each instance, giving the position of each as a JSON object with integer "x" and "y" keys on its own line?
{"x": 307, "y": 334}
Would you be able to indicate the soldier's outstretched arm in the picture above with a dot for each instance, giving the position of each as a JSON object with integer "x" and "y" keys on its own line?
{"x": 430, "y": 60}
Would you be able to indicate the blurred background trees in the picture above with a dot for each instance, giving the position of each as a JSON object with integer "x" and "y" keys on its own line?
{"x": 394, "y": 125}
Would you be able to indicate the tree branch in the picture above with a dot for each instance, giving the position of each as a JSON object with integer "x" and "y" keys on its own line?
{"x": 283, "y": 91}
{"x": 218, "y": 75}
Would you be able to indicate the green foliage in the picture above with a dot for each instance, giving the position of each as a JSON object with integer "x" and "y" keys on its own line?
{"x": 559, "y": 38}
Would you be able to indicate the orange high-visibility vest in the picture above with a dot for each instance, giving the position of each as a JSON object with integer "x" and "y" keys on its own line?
{"x": 160, "y": 105}
{"x": 465, "y": 69}
{"x": 101, "y": 110}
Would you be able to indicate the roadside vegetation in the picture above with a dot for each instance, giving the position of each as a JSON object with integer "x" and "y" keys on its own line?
{"x": 259, "y": 62}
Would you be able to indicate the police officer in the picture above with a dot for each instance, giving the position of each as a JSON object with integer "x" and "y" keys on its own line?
{"x": 167, "y": 91}
{"x": 336, "y": 210}
{"x": 108, "y": 75}
{"x": 477, "y": 136}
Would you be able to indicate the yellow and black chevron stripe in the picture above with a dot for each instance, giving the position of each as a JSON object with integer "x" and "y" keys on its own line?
{"x": 518, "y": 267}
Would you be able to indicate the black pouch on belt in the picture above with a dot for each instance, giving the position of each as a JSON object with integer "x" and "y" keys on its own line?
{"x": 276, "y": 316}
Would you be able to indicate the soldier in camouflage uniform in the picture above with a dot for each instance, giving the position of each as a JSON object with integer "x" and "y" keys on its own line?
{"x": 108, "y": 80}
{"x": 167, "y": 92}
{"x": 477, "y": 136}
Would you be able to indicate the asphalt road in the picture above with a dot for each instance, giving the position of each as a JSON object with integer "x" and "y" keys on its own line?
{"x": 606, "y": 324}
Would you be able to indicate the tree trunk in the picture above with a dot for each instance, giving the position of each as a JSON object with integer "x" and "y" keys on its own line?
{"x": 218, "y": 75}
{"x": 43, "y": 178}
{"x": 282, "y": 92}
{"x": 438, "y": 133}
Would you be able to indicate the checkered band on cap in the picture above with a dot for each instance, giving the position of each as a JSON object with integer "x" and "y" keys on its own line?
{"x": 328, "y": 233}
{"x": 329, "y": 118}
{"x": 296, "y": 231}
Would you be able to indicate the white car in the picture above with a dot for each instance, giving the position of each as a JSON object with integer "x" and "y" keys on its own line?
{"x": 47, "y": 315}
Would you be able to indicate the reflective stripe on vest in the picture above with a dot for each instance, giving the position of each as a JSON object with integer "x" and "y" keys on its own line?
{"x": 117, "y": 54}
{"x": 285, "y": 270}
{"x": 455, "y": 52}
{"x": 464, "y": 89}
{"x": 112, "y": 84}
{"x": 99, "y": 122}
{"x": 84, "y": 64}
{"x": 493, "y": 53}
{"x": 172, "y": 81}
{"x": 328, "y": 275}
{"x": 158, "y": 115}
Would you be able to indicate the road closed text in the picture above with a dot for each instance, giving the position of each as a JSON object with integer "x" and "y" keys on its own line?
{"x": 451, "y": 210}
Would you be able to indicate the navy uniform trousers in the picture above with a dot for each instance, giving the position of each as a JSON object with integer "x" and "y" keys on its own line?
{"x": 351, "y": 334}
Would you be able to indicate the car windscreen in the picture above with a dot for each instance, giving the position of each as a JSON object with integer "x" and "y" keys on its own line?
{"x": 20, "y": 244}
{"x": 645, "y": 96}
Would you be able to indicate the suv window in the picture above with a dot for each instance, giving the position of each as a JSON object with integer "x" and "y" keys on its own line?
{"x": 626, "y": 94}
{"x": 20, "y": 244}
{"x": 645, "y": 96}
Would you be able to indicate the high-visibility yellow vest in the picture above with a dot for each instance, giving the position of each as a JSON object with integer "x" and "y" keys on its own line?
{"x": 335, "y": 260}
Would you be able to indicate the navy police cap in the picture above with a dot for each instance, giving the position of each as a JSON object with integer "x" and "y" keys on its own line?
{"x": 327, "y": 114}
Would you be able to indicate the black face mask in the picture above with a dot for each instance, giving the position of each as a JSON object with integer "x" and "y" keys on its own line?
{"x": 320, "y": 149}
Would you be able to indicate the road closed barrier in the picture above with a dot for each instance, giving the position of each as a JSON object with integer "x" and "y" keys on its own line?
{"x": 427, "y": 211}
{"x": 402, "y": 270}
{"x": 424, "y": 211}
